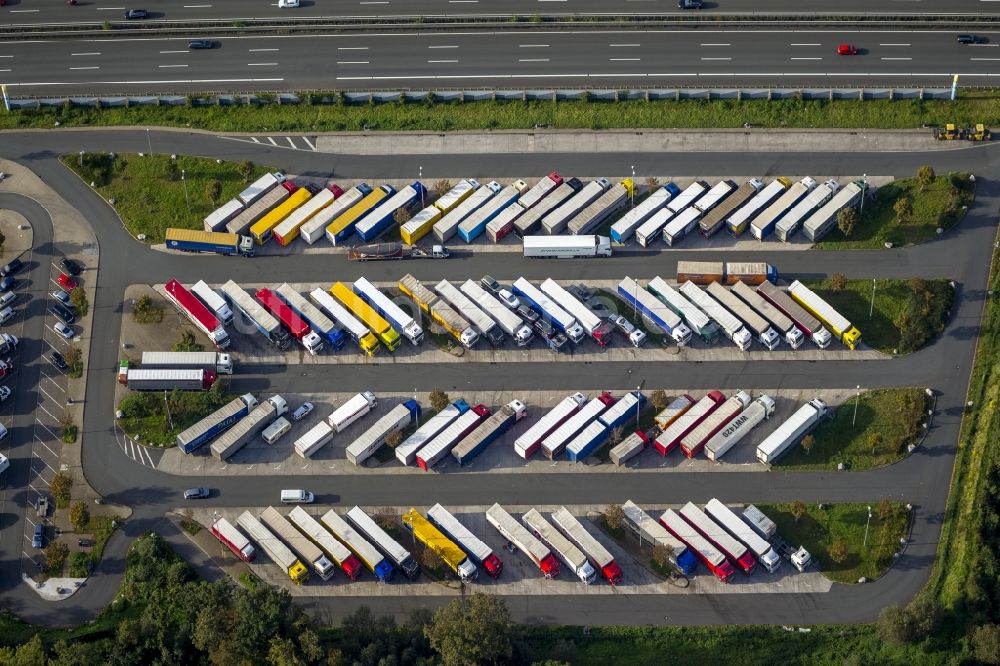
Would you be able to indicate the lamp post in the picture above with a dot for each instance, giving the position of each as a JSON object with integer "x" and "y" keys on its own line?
{"x": 865, "y": 544}
{"x": 864, "y": 191}
{"x": 421, "y": 179}
{"x": 856, "y": 398}
{"x": 418, "y": 412}
{"x": 184, "y": 183}
{"x": 872, "y": 308}
{"x": 632, "y": 191}
{"x": 637, "y": 406}
{"x": 149, "y": 142}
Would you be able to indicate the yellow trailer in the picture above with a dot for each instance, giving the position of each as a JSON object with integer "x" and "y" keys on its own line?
{"x": 263, "y": 229}
{"x": 367, "y": 314}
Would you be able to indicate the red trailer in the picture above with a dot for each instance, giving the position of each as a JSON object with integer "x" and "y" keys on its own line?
{"x": 232, "y": 537}
{"x": 720, "y": 538}
{"x": 295, "y": 324}
{"x": 197, "y": 312}
{"x": 687, "y": 422}
{"x": 709, "y": 555}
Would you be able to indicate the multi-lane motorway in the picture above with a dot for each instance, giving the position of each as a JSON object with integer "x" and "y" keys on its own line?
{"x": 921, "y": 479}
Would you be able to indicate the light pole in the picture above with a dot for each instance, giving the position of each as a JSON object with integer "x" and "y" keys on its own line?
{"x": 421, "y": 178}
{"x": 632, "y": 191}
{"x": 418, "y": 412}
{"x": 865, "y": 544}
{"x": 872, "y": 308}
{"x": 635, "y": 301}
{"x": 149, "y": 142}
{"x": 856, "y": 398}
{"x": 637, "y": 406}
{"x": 184, "y": 183}
{"x": 864, "y": 191}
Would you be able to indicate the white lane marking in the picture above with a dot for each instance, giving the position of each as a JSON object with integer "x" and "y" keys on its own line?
{"x": 148, "y": 455}
{"x": 624, "y": 45}
{"x": 85, "y": 54}
{"x": 260, "y": 50}
{"x": 805, "y": 45}
{"x": 309, "y": 143}
{"x": 109, "y": 9}
{"x": 437, "y": 61}
{"x": 624, "y": 59}
{"x": 175, "y": 52}
{"x": 84, "y": 67}
{"x": 290, "y": 142}
{"x": 443, "y": 47}
{"x": 6, "y": 56}
{"x": 984, "y": 58}
{"x": 893, "y": 44}
{"x": 520, "y": 46}
{"x": 353, "y": 62}
{"x": 374, "y": 2}
{"x": 168, "y": 66}
{"x": 897, "y": 58}
{"x": 261, "y": 64}
{"x": 255, "y": 140}
{"x": 4, "y": 70}
{"x": 352, "y": 48}
{"x": 459, "y": 2}
{"x": 196, "y": 6}
{"x": 532, "y": 59}
{"x": 716, "y": 44}
{"x": 716, "y": 58}
{"x": 805, "y": 58}
{"x": 272, "y": 141}
{"x": 24, "y": 11}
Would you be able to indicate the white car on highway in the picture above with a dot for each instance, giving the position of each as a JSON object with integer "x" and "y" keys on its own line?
{"x": 288, "y": 3}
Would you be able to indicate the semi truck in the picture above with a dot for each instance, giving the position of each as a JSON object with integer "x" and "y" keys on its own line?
{"x": 838, "y": 324}
{"x": 647, "y": 530}
{"x": 598, "y": 555}
{"x": 732, "y": 523}
{"x": 341, "y": 228}
{"x": 478, "y": 552}
{"x": 810, "y": 326}
{"x": 398, "y": 317}
{"x": 693, "y": 442}
{"x": 259, "y": 208}
{"x": 562, "y": 320}
{"x": 207, "y": 360}
{"x": 715, "y": 219}
{"x": 627, "y": 407}
{"x": 782, "y": 324}
{"x": 519, "y": 535}
{"x": 313, "y": 439}
{"x": 791, "y": 431}
{"x": 566, "y": 247}
{"x": 419, "y": 225}
{"x": 288, "y": 229}
{"x": 598, "y": 329}
{"x": 715, "y": 196}
{"x": 540, "y": 190}
{"x": 364, "y": 338}
{"x": 461, "y": 191}
{"x": 279, "y": 553}
{"x": 741, "y": 218}
{"x": 215, "y": 423}
{"x": 511, "y": 324}
{"x": 556, "y": 441}
{"x": 488, "y": 431}
{"x": 606, "y": 205}
{"x": 191, "y": 240}
{"x": 314, "y": 228}
{"x": 655, "y": 310}
{"x": 372, "y": 225}
{"x": 255, "y": 314}
{"x": 319, "y": 323}
{"x": 680, "y": 225}
{"x": 673, "y": 411}
{"x": 227, "y": 533}
{"x": 260, "y": 187}
{"x": 398, "y": 418}
{"x": 731, "y": 547}
{"x": 296, "y": 325}
{"x": 705, "y": 273}
{"x": 756, "y": 324}
{"x": 629, "y": 448}
{"x": 263, "y": 229}
{"x": 764, "y": 223}
{"x": 366, "y": 552}
{"x": 765, "y": 527}
{"x": 555, "y": 222}
{"x": 441, "y": 445}
{"x": 213, "y": 302}
{"x": 624, "y": 229}
{"x": 710, "y": 556}
{"x": 446, "y": 227}
{"x": 760, "y": 409}
{"x": 572, "y": 556}
{"x": 236, "y": 437}
{"x": 352, "y": 410}
{"x": 470, "y": 312}
{"x": 823, "y": 220}
{"x": 531, "y": 221}
{"x": 431, "y": 537}
{"x": 367, "y": 314}
{"x": 440, "y": 311}
{"x": 406, "y": 452}
{"x": 335, "y": 550}
{"x": 385, "y": 543}
{"x": 793, "y": 219}
{"x": 475, "y": 223}
{"x": 652, "y": 228}
{"x": 166, "y": 379}
{"x": 197, "y": 313}
{"x": 688, "y": 421}
{"x": 730, "y": 325}
{"x": 697, "y": 321}
{"x": 531, "y": 439}
{"x": 306, "y": 549}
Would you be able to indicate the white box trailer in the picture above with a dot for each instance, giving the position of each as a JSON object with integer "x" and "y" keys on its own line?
{"x": 511, "y": 324}
{"x": 398, "y": 418}
{"x": 823, "y": 220}
{"x": 530, "y": 221}
{"x": 314, "y": 228}
{"x": 782, "y": 324}
{"x": 562, "y": 320}
{"x": 314, "y": 439}
{"x": 215, "y": 303}
{"x": 465, "y": 539}
{"x": 398, "y": 317}
{"x": 761, "y": 330}
{"x": 738, "y": 221}
{"x": 406, "y": 452}
{"x": 680, "y": 225}
{"x": 732, "y": 523}
{"x": 306, "y": 549}
{"x": 352, "y": 410}
{"x": 359, "y": 545}
{"x": 531, "y": 439}
{"x": 764, "y": 223}
{"x": 556, "y": 221}
{"x": 715, "y": 218}
{"x": 624, "y": 228}
{"x": 718, "y": 536}
{"x": 554, "y": 443}
{"x": 600, "y": 210}
{"x": 279, "y": 553}
{"x": 649, "y": 531}
{"x": 446, "y": 227}
{"x": 592, "y": 548}
{"x": 629, "y": 448}
{"x": 730, "y": 325}
{"x": 469, "y": 311}
{"x": 688, "y": 196}
{"x": 652, "y": 228}
{"x": 234, "y": 439}
{"x": 793, "y": 219}
{"x": 676, "y": 409}
{"x": 205, "y": 360}
{"x": 291, "y": 226}
{"x": 219, "y": 217}
{"x": 259, "y": 187}
{"x": 693, "y": 442}
{"x": 519, "y": 535}
{"x": 474, "y": 225}
{"x": 568, "y": 553}
{"x": 385, "y": 543}
{"x": 734, "y": 432}
{"x": 791, "y": 431}
{"x": 442, "y": 444}
{"x": 503, "y": 223}
{"x": 595, "y": 327}
{"x": 256, "y": 210}
{"x": 698, "y": 321}
{"x": 461, "y": 191}
{"x": 357, "y": 330}
{"x": 335, "y": 550}
{"x": 715, "y": 196}
{"x": 808, "y": 324}
{"x": 540, "y": 190}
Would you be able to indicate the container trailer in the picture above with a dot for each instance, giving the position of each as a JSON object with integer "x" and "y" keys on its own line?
{"x": 556, "y": 441}
{"x": 288, "y": 229}
{"x": 766, "y": 528}
{"x": 760, "y": 409}
{"x": 791, "y": 431}
{"x": 385, "y": 543}
{"x": 334, "y": 549}
{"x": 715, "y": 219}
{"x": 693, "y": 442}
{"x": 511, "y": 324}
{"x": 439, "y": 310}
{"x": 260, "y": 187}
{"x": 680, "y": 225}
{"x": 442, "y": 444}
{"x": 488, "y": 431}
{"x": 715, "y": 196}
{"x": 307, "y": 551}
{"x": 672, "y": 436}
{"x": 255, "y": 314}
{"x": 406, "y": 452}
{"x": 215, "y": 423}
{"x": 398, "y": 317}
{"x": 559, "y": 544}
{"x": 191, "y": 240}
{"x": 474, "y": 225}
{"x": 470, "y": 312}
{"x": 366, "y": 552}
{"x": 342, "y": 227}
{"x": 810, "y": 326}
{"x": 263, "y": 229}
{"x": 364, "y": 338}
{"x": 764, "y": 223}
{"x": 167, "y": 379}
{"x": 519, "y": 535}
{"x": 367, "y": 314}
{"x": 673, "y": 411}
{"x": 731, "y": 547}
{"x": 214, "y": 302}
{"x": 756, "y": 324}
{"x": 398, "y": 418}
{"x": 555, "y": 222}
{"x": 730, "y": 325}
{"x": 372, "y": 225}
{"x": 540, "y": 190}
{"x": 732, "y": 523}
{"x": 587, "y": 441}
{"x": 352, "y": 410}
{"x": 793, "y": 219}
{"x": 566, "y": 247}
{"x": 624, "y": 229}
{"x": 501, "y": 225}
{"x": 759, "y": 522}
{"x": 275, "y": 549}
{"x": 647, "y": 530}
{"x": 253, "y": 212}
{"x": 627, "y": 407}
{"x": 654, "y": 227}
{"x": 314, "y": 228}
{"x": 431, "y": 537}
{"x": 478, "y": 552}
{"x": 562, "y": 320}
{"x": 207, "y": 360}
{"x": 531, "y": 439}
{"x": 197, "y": 313}
{"x": 727, "y": 272}
{"x": 837, "y": 323}
{"x": 688, "y": 197}
{"x": 419, "y": 225}
{"x": 461, "y": 191}
{"x": 313, "y": 439}
{"x": 236, "y": 437}
{"x": 225, "y": 532}
{"x": 697, "y": 321}
{"x": 531, "y": 221}
{"x": 655, "y": 310}
{"x": 318, "y": 323}
{"x": 709, "y": 555}
{"x": 629, "y": 448}
{"x": 598, "y": 329}
{"x": 606, "y": 205}
{"x": 823, "y": 220}
{"x": 447, "y": 226}
{"x": 295, "y": 324}
{"x": 647, "y": 232}
{"x": 738, "y": 221}
{"x": 592, "y": 548}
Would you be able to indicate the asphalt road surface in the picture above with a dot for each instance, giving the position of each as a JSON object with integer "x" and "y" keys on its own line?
{"x": 921, "y": 479}
{"x": 716, "y": 58}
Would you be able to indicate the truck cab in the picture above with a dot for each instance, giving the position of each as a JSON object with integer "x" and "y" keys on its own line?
{"x": 247, "y": 248}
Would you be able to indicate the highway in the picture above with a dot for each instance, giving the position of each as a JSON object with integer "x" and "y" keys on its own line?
{"x": 714, "y": 58}
{"x": 921, "y": 479}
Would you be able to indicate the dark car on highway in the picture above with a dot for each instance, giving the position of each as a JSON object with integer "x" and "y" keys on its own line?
{"x": 70, "y": 266}
{"x": 11, "y": 268}
{"x": 201, "y": 44}
{"x": 131, "y": 14}
{"x": 970, "y": 39}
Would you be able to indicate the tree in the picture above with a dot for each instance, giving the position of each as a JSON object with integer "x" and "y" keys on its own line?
{"x": 894, "y": 625}
{"x": 61, "y": 485}
{"x": 213, "y": 191}
{"x": 808, "y": 442}
{"x": 74, "y": 359}
{"x": 430, "y": 560}
{"x": 616, "y": 434}
{"x": 187, "y": 343}
{"x": 282, "y": 652}
{"x": 875, "y": 439}
{"x": 918, "y": 285}
{"x": 986, "y": 643}
{"x": 847, "y": 219}
{"x": 884, "y": 508}
{"x": 798, "y": 509}
{"x": 310, "y": 645}
{"x": 55, "y": 557}
{"x": 652, "y": 183}
{"x": 439, "y": 400}
{"x": 78, "y": 297}
{"x": 614, "y": 515}
{"x": 394, "y": 439}
{"x": 473, "y": 630}
{"x": 926, "y": 176}
{"x": 661, "y": 556}
{"x": 145, "y": 312}
{"x": 246, "y": 169}
{"x": 3, "y": 239}
{"x": 658, "y": 399}
{"x": 173, "y": 171}
{"x": 838, "y": 281}
{"x": 387, "y": 518}
{"x": 903, "y": 209}
{"x": 925, "y": 614}
{"x": 838, "y": 551}
{"x": 401, "y": 216}
{"x": 79, "y": 516}
{"x": 31, "y": 653}
{"x": 442, "y": 187}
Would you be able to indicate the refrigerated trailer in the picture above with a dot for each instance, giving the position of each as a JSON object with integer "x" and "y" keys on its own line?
{"x": 764, "y": 223}
{"x": 757, "y": 325}
{"x": 236, "y": 437}
{"x": 225, "y": 532}
{"x": 693, "y": 442}
{"x": 215, "y": 423}
{"x": 318, "y": 322}
{"x": 531, "y": 439}
{"x": 673, "y": 411}
{"x": 730, "y": 325}
{"x": 398, "y": 418}
{"x": 555, "y": 222}
{"x": 696, "y": 320}
{"x": 279, "y": 553}
{"x": 352, "y": 410}
{"x": 288, "y": 229}
{"x": 732, "y": 523}
{"x": 738, "y": 221}
{"x": 624, "y": 229}
{"x": 680, "y": 225}
{"x": 419, "y": 225}
{"x": 366, "y": 552}
{"x": 791, "y": 431}
{"x": 406, "y": 452}
{"x": 709, "y": 555}
{"x": 479, "y": 552}
{"x": 566, "y": 247}
{"x": 688, "y": 421}
{"x": 446, "y": 227}
{"x": 313, "y": 439}
{"x": 214, "y": 302}
{"x": 386, "y": 334}
{"x": 314, "y": 228}
{"x": 606, "y": 205}
{"x": 530, "y": 222}
{"x": 655, "y": 310}
{"x": 760, "y": 409}
{"x": 782, "y": 324}
{"x": 731, "y": 547}
{"x": 291, "y": 321}
{"x": 365, "y": 339}
{"x": 334, "y": 549}
{"x": 442, "y": 444}
{"x": 838, "y": 323}
{"x": 649, "y": 531}
{"x": 511, "y": 324}
{"x": 255, "y": 314}
{"x": 562, "y": 320}
{"x": 197, "y": 313}
{"x": 167, "y": 379}
{"x": 398, "y": 317}
{"x": 555, "y": 442}
{"x": 341, "y": 228}
{"x": 431, "y": 537}
{"x": 793, "y": 219}
{"x": 461, "y": 191}
{"x": 592, "y": 548}
{"x": 474, "y": 225}
{"x": 260, "y": 187}
{"x": 587, "y": 441}
{"x": 715, "y": 196}
{"x": 823, "y": 220}
{"x": 519, "y": 535}
{"x": 306, "y": 549}
{"x": 715, "y": 219}
{"x": 488, "y": 431}
{"x": 627, "y": 407}
{"x": 805, "y": 322}
{"x": 470, "y": 312}
{"x": 385, "y": 543}
{"x": 559, "y": 544}
{"x": 598, "y": 329}
{"x": 206, "y": 360}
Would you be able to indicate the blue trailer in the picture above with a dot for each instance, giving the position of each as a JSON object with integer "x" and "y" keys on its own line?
{"x": 657, "y": 312}
{"x": 374, "y": 223}
{"x": 628, "y": 407}
{"x": 215, "y": 423}
{"x": 488, "y": 431}
{"x": 320, "y": 324}
{"x": 587, "y": 441}
{"x": 475, "y": 224}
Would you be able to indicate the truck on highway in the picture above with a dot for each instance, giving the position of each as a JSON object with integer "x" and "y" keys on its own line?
{"x": 556, "y": 441}
{"x": 791, "y": 431}
{"x": 197, "y": 313}
{"x": 478, "y": 552}
{"x": 341, "y": 228}
{"x": 729, "y": 436}
{"x": 398, "y": 418}
{"x": 214, "y": 302}
{"x": 667, "y": 440}
{"x": 629, "y": 448}
{"x": 255, "y": 314}
{"x": 555, "y": 222}
{"x": 531, "y": 221}
{"x": 562, "y": 320}
{"x": 263, "y": 229}
{"x": 191, "y": 240}
{"x": 764, "y": 223}
{"x": 366, "y": 552}
{"x": 367, "y": 314}
{"x": 259, "y": 208}
{"x": 673, "y": 411}
{"x": 598, "y": 329}
{"x": 398, "y": 317}
{"x": 810, "y": 326}
{"x": 566, "y": 247}
{"x": 319, "y": 323}
{"x": 207, "y": 360}
{"x": 385, "y": 543}
{"x": 709, "y": 555}
{"x": 624, "y": 229}
{"x": 559, "y": 544}
{"x": 731, "y": 547}
{"x": 697, "y": 321}
{"x": 705, "y": 273}
{"x": 732, "y": 523}
{"x": 730, "y": 325}
{"x": 215, "y": 423}
{"x": 715, "y": 196}
{"x": 296, "y": 325}
{"x": 693, "y": 442}
{"x": 838, "y": 324}
{"x": 475, "y": 223}
{"x": 680, "y": 225}
{"x": 531, "y": 439}
{"x": 598, "y": 555}
{"x": 715, "y": 219}
{"x": 446, "y": 227}
{"x": 520, "y": 537}
{"x": 364, "y": 338}
{"x": 782, "y": 324}
{"x": 314, "y": 228}
{"x": 470, "y": 312}
{"x": 372, "y": 225}
{"x": 419, "y": 225}
{"x": 313, "y": 439}
{"x": 307, "y": 551}
{"x": 823, "y": 220}
{"x": 395, "y": 252}
{"x": 793, "y": 219}
{"x": 260, "y": 187}
{"x": 406, "y": 452}
{"x": 352, "y": 410}
{"x": 606, "y": 205}
{"x": 655, "y": 310}
{"x": 441, "y": 444}
{"x": 279, "y": 553}
{"x": 440, "y": 311}
{"x": 511, "y": 324}
{"x": 740, "y": 219}
{"x": 488, "y": 431}
{"x": 236, "y": 437}
{"x": 756, "y": 324}
{"x": 288, "y": 229}
{"x": 227, "y": 533}
{"x": 461, "y": 191}
{"x": 431, "y": 537}
{"x": 649, "y": 531}
{"x": 334, "y": 549}
{"x": 167, "y": 379}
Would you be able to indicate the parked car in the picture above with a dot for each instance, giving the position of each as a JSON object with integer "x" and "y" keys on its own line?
{"x": 195, "y": 44}
{"x": 489, "y": 284}
{"x": 12, "y": 268}
{"x": 6, "y": 314}
{"x": 85, "y": 543}
{"x": 70, "y": 266}
{"x": 66, "y": 282}
{"x": 38, "y": 537}
{"x": 288, "y": 3}
{"x": 4, "y": 393}
{"x": 508, "y": 299}
{"x": 970, "y": 39}
{"x": 196, "y": 493}
{"x": 62, "y": 297}
{"x": 63, "y": 330}
{"x": 7, "y": 283}
{"x": 63, "y": 312}
{"x": 528, "y": 314}
{"x": 847, "y": 50}
{"x": 132, "y": 14}
{"x": 58, "y": 360}
{"x": 302, "y": 411}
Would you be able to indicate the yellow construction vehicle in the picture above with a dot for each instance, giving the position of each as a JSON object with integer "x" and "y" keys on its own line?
{"x": 979, "y": 133}
{"x": 950, "y": 132}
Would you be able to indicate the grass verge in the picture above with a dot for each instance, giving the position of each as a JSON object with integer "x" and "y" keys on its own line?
{"x": 887, "y": 421}
{"x": 82, "y": 562}
{"x": 156, "y": 420}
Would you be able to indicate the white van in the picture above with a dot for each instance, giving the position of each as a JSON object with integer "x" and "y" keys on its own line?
{"x": 6, "y": 315}
{"x": 4, "y": 463}
{"x": 7, "y": 298}
{"x": 297, "y": 497}
{"x": 273, "y": 432}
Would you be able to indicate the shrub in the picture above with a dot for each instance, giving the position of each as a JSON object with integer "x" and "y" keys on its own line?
{"x": 79, "y": 516}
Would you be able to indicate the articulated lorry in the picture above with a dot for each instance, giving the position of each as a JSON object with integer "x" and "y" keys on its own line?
{"x": 314, "y": 228}
{"x": 547, "y": 306}
{"x": 668, "y": 440}
{"x": 732, "y": 523}
{"x": 837, "y": 323}
{"x": 447, "y": 226}
{"x": 236, "y": 437}
{"x": 341, "y": 228}
{"x": 206, "y": 360}
{"x": 810, "y": 326}
{"x": 741, "y": 218}
{"x": 289, "y": 228}
{"x": 655, "y": 310}
{"x": 731, "y": 547}
{"x": 306, "y": 549}
{"x": 293, "y": 323}
{"x": 793, "y": 219}
{"x": 730, "y": 324}
{"x": 190, "y": 240}
{"x": 218, "y": 218}
{"x": 757, "y": 325}
{"x": 572, "y": 556}
{"x": 531, "y": 220}
{"x": 279, "y": 553}
{"x": 352, "y": 410}
{"x": 364, "y": 338}
{"x": 263, "y": 229}
{"x": 470, "y": 312}
{"x": 254, "y": 212}
{"x": 593, "y": 435}
{"x": 715, "y": 196}
{"x": 214, "y": 302}
{"x": 606, "y": 205}
{"x": 473, "y": 226}
{"x": 555, "y": 222}
{"x": 409, "y": 326}
{"x": 519, "y": 535}
{"x": 318, "y": 323}
{"x": 167, "y": 379}
{"x": 255, "y": 314}
{"x": 764, "y": 223}
{"x": 215, "y": 423}
{"x": 729, "y": 436}
{"x": 531, "y": 439}
{"x": 598, "y": 329}
{"x": 680, "y": 225}
{"x": 540, "y": 190}
{"x": 503, "y": 224}
{"x": 782, "y": 324}
{"x": 798, "y": 425}
{"x": 406, "y": 452}
{"x": 391, "y": 548}
{"x": 696, "y": 320}
{"x": 478, "y": 552}
{"x": 334, "y": 549}
{"x": 598, "y": 555}
{"x": 558, "y": 439}
{"x": 766, "y": 528}
{"x": 431, "y": 537}
{"x": 511, "y": 324}
{"x": 372, "y": 225}
{"x": 693, "y": 442}
{"x": 624, "y": 229}
{"x": 398, "y": 418}
{"x": 705, "y": 273}
{"x": 821, "y": 222}
{"x": 197, "y": 313}
{"x": 715, "y": 219}
{"x": 566, "y": 247}
{"x": 225, "y": 532}
{"x": 649, "y": 531}
{"x": 709, "y": 555}
{"x": 440, "y": 311}
{"x": 386, "y": 334}
{"x": 442, "y": 444}
{"x": 488, "y": 431}
{"x": 395, "y": 252}
{"x": 365, "y": 551}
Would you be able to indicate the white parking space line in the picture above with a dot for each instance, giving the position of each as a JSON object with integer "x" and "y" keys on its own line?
{"x": 437, "y": 61}
{"x": 108, "y": 9}
{"x": 716, "y": 58}
{"x": 262, "y": 64}
{"x": 352, "y": 48}
{"x": 44, "y": 463}
{"x": 170, "y": 66}
{"x": 47, "y": 448}
{"x": 151, "y": 463}
{"x": 272, "y": 141}
{"x": 255, "y": 140}
{"x": 55, "y": 418}
{"x": 131, "y": 446}
{"x": 47, "y": 395}
{"x": 197, "y": 6}
{"x": 309, "y": 143}
{"x": 716, "y": 45}
{"x": 54, "y": 436}
{"x": 260, "y": 50}
{"x": 290, "y": 142}
{"x": 520, "y": 46}
{"x": 85, "y": 54}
